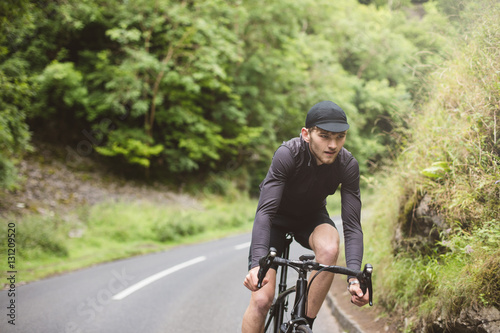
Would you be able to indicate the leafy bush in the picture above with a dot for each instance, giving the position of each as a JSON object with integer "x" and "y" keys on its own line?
{"x": 15, "y": 93}
{"x": 215, "y": 216}
{"x": 38, "y": 237}
{"x": 60, "y": 90}
{"x": 8, "y": 173}
{"x": 144, "y": 221}
{"x": 474, "y": 256}
{"x": 133, "y": 145}
{"x": 179, "y": 225}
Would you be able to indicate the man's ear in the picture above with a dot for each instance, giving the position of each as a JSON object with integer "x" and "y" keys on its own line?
{"x": 305, "y": 134}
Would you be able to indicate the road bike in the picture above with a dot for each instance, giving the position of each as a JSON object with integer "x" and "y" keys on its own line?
{"x": 298, "y": 322}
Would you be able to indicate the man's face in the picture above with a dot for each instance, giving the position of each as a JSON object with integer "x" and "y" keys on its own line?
{"x": 324, "y": 146}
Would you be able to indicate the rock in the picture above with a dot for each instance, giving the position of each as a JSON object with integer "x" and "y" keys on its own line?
{"x": 419, "y": 227}
{"x": 76, "y": 233}
{"x": 427, "y": 216}
{"x": 471, "y": 320}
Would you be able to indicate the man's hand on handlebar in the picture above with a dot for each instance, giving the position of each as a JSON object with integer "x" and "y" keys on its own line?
{"x": 357, "y": 296}
{"x": 252, "y": 279}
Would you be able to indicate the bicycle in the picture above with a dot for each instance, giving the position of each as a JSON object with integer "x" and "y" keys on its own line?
{"x": 303, "y": 266}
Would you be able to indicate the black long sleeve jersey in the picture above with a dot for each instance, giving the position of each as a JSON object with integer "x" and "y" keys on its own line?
{"x": 296, "y": 186}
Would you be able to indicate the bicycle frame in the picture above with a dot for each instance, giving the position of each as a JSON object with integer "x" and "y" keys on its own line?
{"x": 305, "y": 264}
{"x": 279, "y": 306}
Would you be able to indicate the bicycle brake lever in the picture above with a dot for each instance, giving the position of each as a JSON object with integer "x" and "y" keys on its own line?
{"x": 367, "y": 284}
{"x": 265, "y": 263}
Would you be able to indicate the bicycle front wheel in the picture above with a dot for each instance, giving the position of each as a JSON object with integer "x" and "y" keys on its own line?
{"x": 303, "y": 329}
{"x": 273, "y": 324}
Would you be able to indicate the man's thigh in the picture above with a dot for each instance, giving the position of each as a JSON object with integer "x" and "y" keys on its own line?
{"x": 324, "y": 236}
{"x": 277, "y": 239}
{"x": 311, "y": 224}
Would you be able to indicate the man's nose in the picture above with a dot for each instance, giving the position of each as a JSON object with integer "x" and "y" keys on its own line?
{"x": 332, "y": 144}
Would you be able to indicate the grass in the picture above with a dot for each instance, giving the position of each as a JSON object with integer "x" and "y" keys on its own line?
{"x": 451, "y": 153}
{"x": 52, "y": 244}
{"x": 48, "y": 245}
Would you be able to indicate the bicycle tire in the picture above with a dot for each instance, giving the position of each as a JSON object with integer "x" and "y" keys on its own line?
{"x": 303, "y": 329}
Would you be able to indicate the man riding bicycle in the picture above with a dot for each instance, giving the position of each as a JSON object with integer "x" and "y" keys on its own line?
{"x": 303, "y": 172}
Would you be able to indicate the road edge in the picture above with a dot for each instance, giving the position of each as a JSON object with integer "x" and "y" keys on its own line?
{"x": 346, "y": 321}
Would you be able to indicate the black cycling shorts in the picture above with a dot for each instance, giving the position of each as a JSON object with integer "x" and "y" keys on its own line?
{"x": 301, "y": 228}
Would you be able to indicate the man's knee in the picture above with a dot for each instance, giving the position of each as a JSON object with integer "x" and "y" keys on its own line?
{"x": 325, "y": 244}
{"x": 327, "y": 253}
{"x": 326, "y": 248}
{"x": 262, "y": 300}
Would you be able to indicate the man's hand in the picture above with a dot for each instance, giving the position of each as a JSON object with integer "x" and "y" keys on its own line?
{"x": 357, "y": 296}
{"x": 252, "y": 279}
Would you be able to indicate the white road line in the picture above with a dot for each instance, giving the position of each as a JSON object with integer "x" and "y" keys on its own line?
{"x": 242, "y": 246}
{"x": 141, "y": 284}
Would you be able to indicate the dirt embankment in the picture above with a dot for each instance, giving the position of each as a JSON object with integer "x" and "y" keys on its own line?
{"x": 49, "y": 183}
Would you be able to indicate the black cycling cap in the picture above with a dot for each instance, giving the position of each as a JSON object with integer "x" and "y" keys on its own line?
{"x": 327, "y": 116}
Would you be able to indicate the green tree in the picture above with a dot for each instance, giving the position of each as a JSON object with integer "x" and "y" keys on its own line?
{"x": 211, "y": 86}
{"x": 15, "y": 91}
{"x": 168, "y": 68}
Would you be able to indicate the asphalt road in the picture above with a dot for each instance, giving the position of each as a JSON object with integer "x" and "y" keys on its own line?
{"x": 196, "y": 288}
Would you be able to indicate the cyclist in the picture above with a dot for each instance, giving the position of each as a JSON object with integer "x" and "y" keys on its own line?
{"x": 303, "y": 172}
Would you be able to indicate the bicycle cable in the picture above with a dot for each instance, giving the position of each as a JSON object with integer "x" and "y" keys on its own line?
{"x": 308, "y": 287}
{"x": 310, "y": 283}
